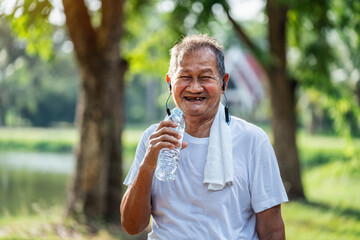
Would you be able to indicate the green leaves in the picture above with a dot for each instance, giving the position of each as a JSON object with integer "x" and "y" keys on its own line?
{"x": 29, "y": 21}
{"x": 323, "y": 56}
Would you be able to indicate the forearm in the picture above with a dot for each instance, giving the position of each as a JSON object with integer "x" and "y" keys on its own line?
{"x": 270, "y": 225}
{"x": 279, "y": 235}
{"x": 136, "y": 203}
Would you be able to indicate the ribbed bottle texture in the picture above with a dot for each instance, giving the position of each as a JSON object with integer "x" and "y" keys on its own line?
{"x": 168, "y": 158}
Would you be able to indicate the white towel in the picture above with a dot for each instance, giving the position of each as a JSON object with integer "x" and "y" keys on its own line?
{"x": 219, "y": 168}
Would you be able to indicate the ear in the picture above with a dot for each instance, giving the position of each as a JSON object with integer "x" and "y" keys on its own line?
{"x": 225, "y": 81}
{"x": 168, "y": 81}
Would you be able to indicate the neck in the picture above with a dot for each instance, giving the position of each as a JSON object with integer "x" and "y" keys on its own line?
{"x": 198, "y": 126}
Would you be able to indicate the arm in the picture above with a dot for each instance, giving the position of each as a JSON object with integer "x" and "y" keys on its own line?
{"x": 136, "y": 203}
{"x": 270, "y": 225}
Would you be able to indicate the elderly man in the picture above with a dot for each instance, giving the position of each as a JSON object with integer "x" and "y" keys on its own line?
{"x": 227, "y": 185}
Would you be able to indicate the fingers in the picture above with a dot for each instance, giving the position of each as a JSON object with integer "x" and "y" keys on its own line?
{"x": 167, "y": 124}
{"x": 165, "y": 140}
{"x": 165, "y": 136}
{"x": 166, "y": 132}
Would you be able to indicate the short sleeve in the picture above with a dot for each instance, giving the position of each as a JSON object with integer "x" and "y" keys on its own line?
{"x": 267, "y": 189}
{"x": 139, "y": 155}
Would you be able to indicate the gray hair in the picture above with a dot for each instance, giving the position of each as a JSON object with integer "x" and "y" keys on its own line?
{"x": 192, "y": 43}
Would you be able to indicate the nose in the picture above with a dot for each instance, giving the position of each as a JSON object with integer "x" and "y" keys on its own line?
{"x": 195, "y": 86}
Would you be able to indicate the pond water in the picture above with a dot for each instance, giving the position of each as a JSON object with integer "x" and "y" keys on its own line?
{"x": 33, "y": 178}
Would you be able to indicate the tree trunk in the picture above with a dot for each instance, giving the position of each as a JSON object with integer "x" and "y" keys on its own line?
{"x": 96, "y": 190}
{"x": 96, "y": 187}
{"x": 282, "y": 92}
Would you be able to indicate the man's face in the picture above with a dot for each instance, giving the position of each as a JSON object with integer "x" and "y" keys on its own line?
{"x": 196, "y": 85}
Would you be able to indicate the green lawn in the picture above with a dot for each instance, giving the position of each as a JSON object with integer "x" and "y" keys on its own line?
{"x": 331, "y": 177}
{"x": 48, "y": 225}
{"x": 38, "y": 139}
{"x": 39, "y": 134}
{"x": 56, "y": 140}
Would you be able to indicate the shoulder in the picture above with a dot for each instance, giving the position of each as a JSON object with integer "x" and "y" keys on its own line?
{"x": 151, "y": 129}
{"x": 241, "y": 128}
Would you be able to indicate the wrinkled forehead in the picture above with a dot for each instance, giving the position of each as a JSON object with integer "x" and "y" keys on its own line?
{"x": 195, "y": 51}
{"x": 197, "y": 54}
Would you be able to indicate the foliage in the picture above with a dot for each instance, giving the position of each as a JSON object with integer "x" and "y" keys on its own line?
{"x": 322, "y": 47}
{"x": 322, "y": 51}
{"x": 29, "y": 21}
{"x": 148, "y": 60}
{"x": 146, "y": 40}
{"x": 150, "y": 30}
{"x": 33, "y": 91}
{"x": 39, "y": 93}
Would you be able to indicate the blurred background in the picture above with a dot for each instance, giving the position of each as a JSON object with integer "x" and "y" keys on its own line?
{"x": 75, "y": 71}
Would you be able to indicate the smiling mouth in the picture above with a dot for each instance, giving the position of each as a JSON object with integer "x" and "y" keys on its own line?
{"x": 194, "y": 99}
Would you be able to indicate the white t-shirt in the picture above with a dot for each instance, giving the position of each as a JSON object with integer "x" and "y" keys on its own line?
{"x": 186, "y": 209}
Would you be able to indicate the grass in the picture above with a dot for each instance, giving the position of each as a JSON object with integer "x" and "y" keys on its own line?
{"x": 317, "y": 150}
{"x": 48, "y": 224}
{"x": 331, "y": 178}
{"x": 318, "y": 221}
{"x": 56, "y": 140}
{"x": 39, "y": 134}
{"x": 38, "y": 139}
{"x": 333, "y": 208}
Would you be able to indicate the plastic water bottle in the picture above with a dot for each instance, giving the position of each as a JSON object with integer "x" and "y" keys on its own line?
{"x": 168, "y": 158}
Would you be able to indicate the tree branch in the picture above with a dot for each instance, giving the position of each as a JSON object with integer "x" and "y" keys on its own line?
{"x": 247, "y": 41}
{"x": 81, "y": 31}
{"x": 240, "y": 32}
{"x": 277, "y": 33}
{"x": 111, "y": 25}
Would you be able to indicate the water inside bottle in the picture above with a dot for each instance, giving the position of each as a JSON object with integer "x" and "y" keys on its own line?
{"x": 168, "y": 158}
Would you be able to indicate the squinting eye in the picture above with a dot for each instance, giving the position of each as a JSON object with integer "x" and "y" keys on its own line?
{"x": 206, "y": 78}
{"x": 185, "y": 77}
